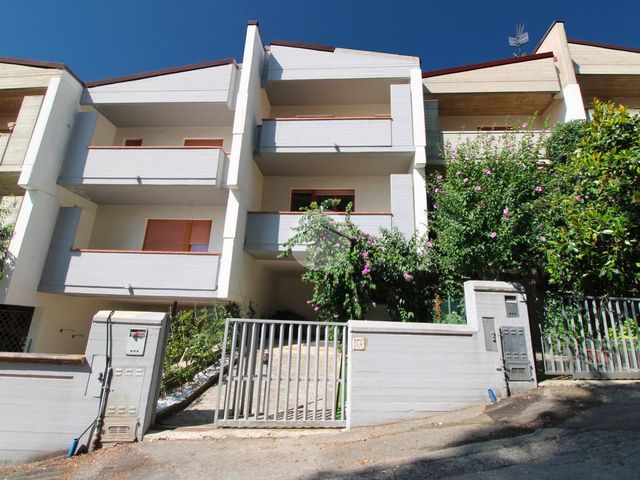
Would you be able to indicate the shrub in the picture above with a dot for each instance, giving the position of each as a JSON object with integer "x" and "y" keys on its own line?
{"x": 351, "y": 271}
{"x": 490, "y": 208}
{"x": 195, "y": 342}
{"x": 593, "y": 241}
{"x": 564, "y": 140}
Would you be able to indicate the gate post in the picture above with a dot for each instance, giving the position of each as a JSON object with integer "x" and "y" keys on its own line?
{"x": 503, "y": 305}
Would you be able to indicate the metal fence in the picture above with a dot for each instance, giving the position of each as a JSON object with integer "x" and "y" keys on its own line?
{"x": 14, "y": 327}
{"x": 283, "y": 374}
{"x": 591, "y": 337}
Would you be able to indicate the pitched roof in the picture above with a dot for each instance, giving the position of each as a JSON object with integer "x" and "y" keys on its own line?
{"x": 40, "y": 64}
{"x": 163, "y": 71}
{"x": 495, "y": 63}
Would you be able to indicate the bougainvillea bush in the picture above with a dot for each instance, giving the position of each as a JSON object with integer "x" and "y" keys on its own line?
{"x": 351, "y": 271}
{"x": 490, "y": 209}
{"x": 593, "y": 245}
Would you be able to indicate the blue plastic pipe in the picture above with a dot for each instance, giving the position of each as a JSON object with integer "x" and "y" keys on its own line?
{"x": 72, "y": 448}
{"x": 492, "y": 396}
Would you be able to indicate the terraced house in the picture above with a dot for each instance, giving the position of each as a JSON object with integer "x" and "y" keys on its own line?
{"x": 182, "y": 185}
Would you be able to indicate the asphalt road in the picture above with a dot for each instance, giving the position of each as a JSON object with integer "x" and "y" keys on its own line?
{"x": 556, "y": 432}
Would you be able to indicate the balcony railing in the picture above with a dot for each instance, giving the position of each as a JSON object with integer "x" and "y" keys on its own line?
{"x": 267, "y": 232}
{"x": 165, "y": 165}
{"x": 124, "y": 273}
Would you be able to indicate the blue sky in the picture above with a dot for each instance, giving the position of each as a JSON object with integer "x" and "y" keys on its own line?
{"x": 99, "y": 39}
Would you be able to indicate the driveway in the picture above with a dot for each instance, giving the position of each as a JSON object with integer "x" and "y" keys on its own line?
{"x": 572, "y": 430}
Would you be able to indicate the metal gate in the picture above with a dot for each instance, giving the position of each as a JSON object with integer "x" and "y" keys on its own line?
{"x": 591, "y": 337}
{"x": 283, "y": 374}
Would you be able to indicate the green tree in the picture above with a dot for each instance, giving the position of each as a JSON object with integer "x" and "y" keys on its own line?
{"x": 490, "y": 208}
{"x": 592, "y": 244}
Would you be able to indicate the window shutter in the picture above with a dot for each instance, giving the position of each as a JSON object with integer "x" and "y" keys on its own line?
{"x": 203, "y": 142}
{"x": 200, "y": 231}
{"x": 166, "y": 235}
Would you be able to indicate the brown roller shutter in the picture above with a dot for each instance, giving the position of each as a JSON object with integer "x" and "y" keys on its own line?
{"x": 167, "y": 235}
{"x": 200, "y": 232}
{"x": 203, "y": 142}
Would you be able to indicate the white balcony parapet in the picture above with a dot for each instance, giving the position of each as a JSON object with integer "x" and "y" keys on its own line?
{"x": 267, "y": 232}
{"x": 145, "y": 166}
{"x": 124, "y": 273}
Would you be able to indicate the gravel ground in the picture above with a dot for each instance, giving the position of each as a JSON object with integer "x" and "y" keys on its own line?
{"x": 572, "y": 430}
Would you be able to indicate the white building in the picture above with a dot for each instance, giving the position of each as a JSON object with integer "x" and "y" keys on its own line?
{"x": 182, "y": 185}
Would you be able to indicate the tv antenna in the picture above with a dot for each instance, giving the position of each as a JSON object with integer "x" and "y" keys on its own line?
{"x": 519, "y": 40}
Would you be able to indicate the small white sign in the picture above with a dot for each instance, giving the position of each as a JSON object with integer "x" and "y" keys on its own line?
{"x": 136, "y": 342}
{"x": 359, "y": 343}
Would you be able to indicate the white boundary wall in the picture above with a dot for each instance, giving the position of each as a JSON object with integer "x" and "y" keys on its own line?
{"x": 416, "y": 369}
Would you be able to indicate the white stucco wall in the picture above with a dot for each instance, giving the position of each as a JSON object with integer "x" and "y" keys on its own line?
{"x": 372, "y": 194}
{"x": 122, "y": 227}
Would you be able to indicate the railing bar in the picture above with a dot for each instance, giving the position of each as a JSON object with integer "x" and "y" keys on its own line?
{"x": 614, "y": 331}
{"x": 286, "y": 322}
{"x": 221, "y": 372}
{"x": 229, "y": 384}
{"x": 240, "y": 373}
{"x": 286, "y": 398}
{"x": 334, "y": 396}
{"x": 620, "y": 327}
{"x": 260, "y": 363}
{"x": 559, "y": 341}
{"x": 583, "y": 361}
{"x": 632, "y": 350}
{"x": 603, "y": 314}
{"x": 248, "y": 395}
{"x": 279, "y": 371}
{"x": 591, "y": 338}
{"x": 306, "y": 377}
{"x": 316, "y": 374}
{"x": 343, "y": 377}
{"x": 543, "y": 342}
{"x": 577, "y": 359}
{"x": 564, "y": 350}
{"x": 267, "y": 393}
{"x": 299, "y": 357}
{"x": 594, "y": 307}
{"x": 635, "y": 321}
{"x": 326, "y": 372}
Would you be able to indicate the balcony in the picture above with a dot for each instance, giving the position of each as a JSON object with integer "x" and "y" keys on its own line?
{"x": 190, "y": 172}
{"x": 267, "y": 232}
{"x": 124, "y": 274}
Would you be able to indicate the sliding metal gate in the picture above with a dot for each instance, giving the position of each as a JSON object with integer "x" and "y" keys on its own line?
{"x": 283, "y": 374}
{"x": 591, "y": 337}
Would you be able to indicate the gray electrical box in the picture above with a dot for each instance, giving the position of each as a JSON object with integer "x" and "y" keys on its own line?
{"x": 515, "y": 353}
{"x": 511, "y": 305}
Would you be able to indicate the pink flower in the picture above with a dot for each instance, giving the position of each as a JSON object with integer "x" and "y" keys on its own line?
{"x": 407, "y": 276}
{"x": 477, "y": 188}
{"x": 579, "y": 198}
{"x": 524, "y": 125}
{"x": 436, "y": 206}
{"x": 366, "y": 269}
{"x": 429, "y": 244}
{"x": 316, "y": 309}
{"x": 309, "y": 302}
{"x": 538, "y": 188}
{"x": 436, "y": 190}
{"x": 487, "y": 171}
{"x": 510, "y": 144}
{"x": 543, "y": 238}
{"x": 493, "y": 235}
{"x": 454, "y": 152}
{"x": 364, "y": 254}
{"x": 506, "y": 214}
{"x": 465, "y": 180}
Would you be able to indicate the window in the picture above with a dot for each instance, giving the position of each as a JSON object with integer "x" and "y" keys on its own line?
{"x": 133, "y": 142}
{"x": 494, "y": 128}
{"x": 177, "y": 235}
{"x": 304, "y": 198}
{"x": 203, "y": 142}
